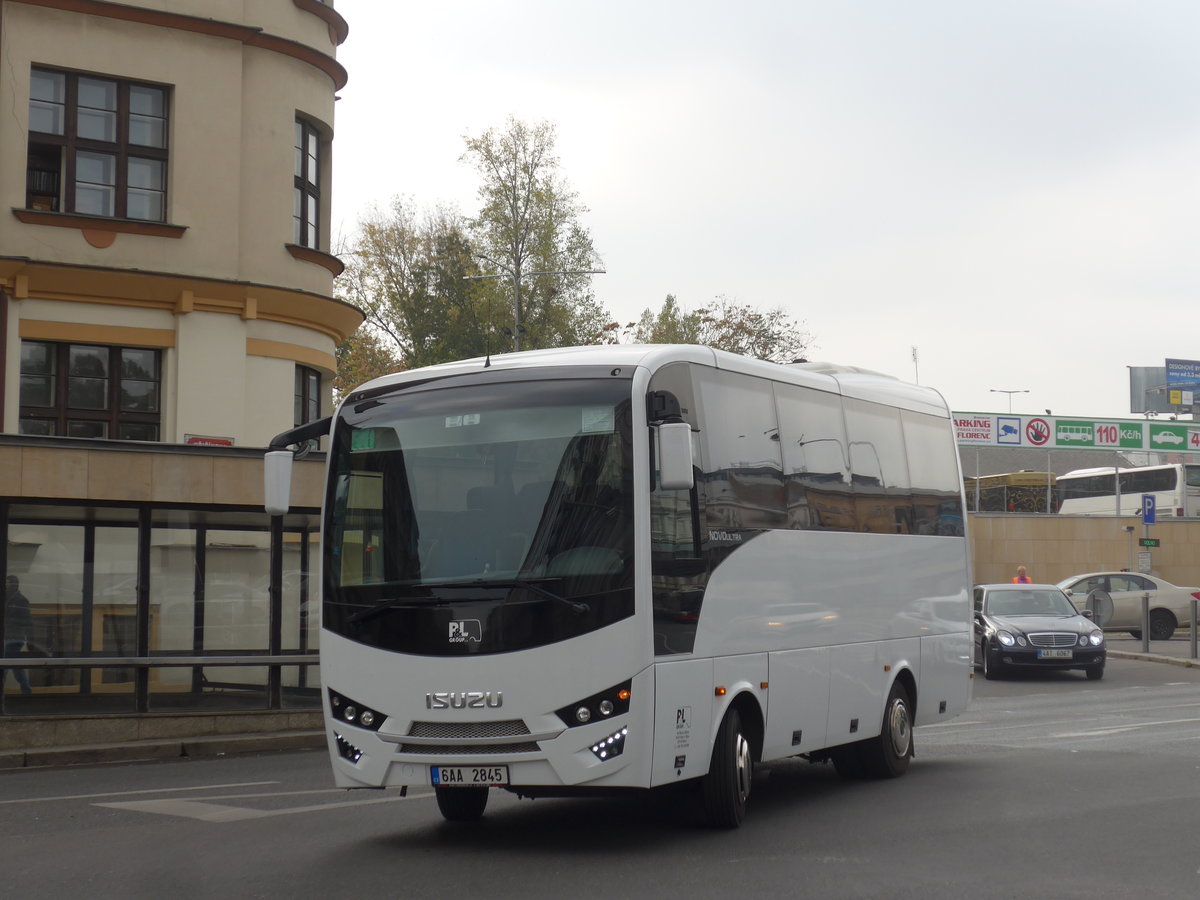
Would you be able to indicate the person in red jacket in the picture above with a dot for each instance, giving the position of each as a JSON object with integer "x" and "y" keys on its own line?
{"x": 1021, "y": 577}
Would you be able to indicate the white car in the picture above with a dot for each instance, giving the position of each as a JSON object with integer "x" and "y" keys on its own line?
{"x": 1170, "y": 605}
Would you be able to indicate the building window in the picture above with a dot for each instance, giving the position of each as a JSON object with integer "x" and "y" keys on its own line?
{"x": 97, "y": 146}
{"x": 90, "y": 391}
{"x": 306, "y": 203}
{"x": 307, "y": 405}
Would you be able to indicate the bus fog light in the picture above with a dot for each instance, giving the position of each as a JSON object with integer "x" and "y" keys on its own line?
{"x": 346, "y": 750}
{"x": 611, "y": 746}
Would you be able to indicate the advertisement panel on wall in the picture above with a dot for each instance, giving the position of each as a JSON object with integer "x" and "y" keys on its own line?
{"x": 1183, "y": 373}
{"x": 1061, "y": 433}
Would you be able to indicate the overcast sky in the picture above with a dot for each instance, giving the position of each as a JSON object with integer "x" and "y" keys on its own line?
{"x": 1012, "y": 187}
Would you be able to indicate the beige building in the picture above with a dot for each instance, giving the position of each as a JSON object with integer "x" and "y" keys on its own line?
{"x": 165, "y": 309}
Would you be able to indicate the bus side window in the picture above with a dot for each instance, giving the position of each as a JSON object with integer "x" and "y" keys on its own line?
{"x": 743, "y": 468}
{"x": 879, "y": 468}
{"x": 816, "y": 475}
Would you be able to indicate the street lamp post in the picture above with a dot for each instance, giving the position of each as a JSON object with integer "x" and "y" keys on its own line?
{"x": 1010, "y": 393}
{"x": 516, "y": 277}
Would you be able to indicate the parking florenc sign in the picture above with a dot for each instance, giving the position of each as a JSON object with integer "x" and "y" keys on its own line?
{"x": 1057, "y": 433}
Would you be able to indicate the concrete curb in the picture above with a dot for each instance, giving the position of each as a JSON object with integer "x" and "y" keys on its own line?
{"x": 144, "y": 751}
{"x": 1185, "y": 662}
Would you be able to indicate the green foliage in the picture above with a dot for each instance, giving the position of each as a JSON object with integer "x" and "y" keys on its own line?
{"x": 529, "y": 222}
{"x": 726, "y": 325}
{"x": 408, "y": 274}
{"x": 363, "y": 356}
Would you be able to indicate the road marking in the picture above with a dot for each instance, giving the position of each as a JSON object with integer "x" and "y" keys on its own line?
{"x": 171, "y": 790}
{"x": 216, "y": 812}
{"x": 1100, "y": 732}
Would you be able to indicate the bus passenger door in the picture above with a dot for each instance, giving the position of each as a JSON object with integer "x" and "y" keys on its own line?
{"x": 683, "y": 706}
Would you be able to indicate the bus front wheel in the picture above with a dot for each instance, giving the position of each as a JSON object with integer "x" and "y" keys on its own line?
{"x": 461, "y": 804}
{"x": 726, "y": 787}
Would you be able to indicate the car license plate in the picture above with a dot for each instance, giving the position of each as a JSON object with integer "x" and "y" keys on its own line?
{"x": 467, "y": 776}
{"x": 1056, "y": 654}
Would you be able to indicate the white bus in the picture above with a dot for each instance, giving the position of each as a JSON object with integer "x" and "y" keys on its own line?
{"x": 1099, "y": 492}
{"x": 568, "y": 571}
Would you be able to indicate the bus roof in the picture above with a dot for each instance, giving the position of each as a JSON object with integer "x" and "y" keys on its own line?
{"x": 1108, "y": 470}
{"x": 850, "y": 381}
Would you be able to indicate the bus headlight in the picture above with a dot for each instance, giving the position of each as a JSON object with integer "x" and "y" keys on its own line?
{"x": 604, "y": 705}
{"x": 353, "y": 713}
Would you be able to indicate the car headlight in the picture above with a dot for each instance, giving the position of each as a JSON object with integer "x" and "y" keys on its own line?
{"x": 1096, "y": 638}
{"x": 1005, "y": 638}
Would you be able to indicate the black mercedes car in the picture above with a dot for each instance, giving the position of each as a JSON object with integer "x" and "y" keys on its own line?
{"x": 1034, "y": 626}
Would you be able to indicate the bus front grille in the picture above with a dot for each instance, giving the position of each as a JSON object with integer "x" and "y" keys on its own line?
{"x": 467, "y": 749}
{"x": 452, "y": 731}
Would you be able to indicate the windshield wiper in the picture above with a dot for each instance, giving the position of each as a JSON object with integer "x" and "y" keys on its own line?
{"x": 576, "y": 606}
{"x": 383, "y": 606}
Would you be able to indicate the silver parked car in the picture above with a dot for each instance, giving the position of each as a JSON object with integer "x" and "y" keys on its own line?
{"x": 1170, "y": 605}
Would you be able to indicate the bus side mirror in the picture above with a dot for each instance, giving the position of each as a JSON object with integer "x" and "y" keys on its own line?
{"x": 675, "y": 456}
{"x": 277, "y": 482}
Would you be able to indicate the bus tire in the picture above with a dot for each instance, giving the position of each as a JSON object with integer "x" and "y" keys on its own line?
{"x": 888, "y": 755}
{"x": 461, "y": 804}
{"x": 726, "y": 788}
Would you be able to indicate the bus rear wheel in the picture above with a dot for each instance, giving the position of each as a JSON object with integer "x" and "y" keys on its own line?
{"x": 726, "y": 788}
{"x": 888, "y": 755}
{"x": 461, "y": 804}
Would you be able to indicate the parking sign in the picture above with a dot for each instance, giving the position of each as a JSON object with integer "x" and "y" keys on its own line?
{"x": 1148, "y": 509}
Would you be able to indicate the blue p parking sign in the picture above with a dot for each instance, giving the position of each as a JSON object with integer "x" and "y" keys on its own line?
{"x": 1148, "y": 515}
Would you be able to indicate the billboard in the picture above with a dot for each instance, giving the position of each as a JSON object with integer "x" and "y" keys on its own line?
{"x": 1165, "y": 389}
{"x": 1061, "y": 433}
{"x": 1183, "y": 374}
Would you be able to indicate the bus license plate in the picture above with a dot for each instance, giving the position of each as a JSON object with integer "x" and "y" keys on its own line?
{"x": 1056, "y": 654}
{"x": 467, "y": 776}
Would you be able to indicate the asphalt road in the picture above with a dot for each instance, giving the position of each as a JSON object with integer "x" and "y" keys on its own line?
{"x": 1049, "y": 786}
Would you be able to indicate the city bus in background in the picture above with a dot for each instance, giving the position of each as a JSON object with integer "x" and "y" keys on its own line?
{"x": 1025, "y": 492}
{"x": 566, "y": 572}
{"x": 1110, "y": 491}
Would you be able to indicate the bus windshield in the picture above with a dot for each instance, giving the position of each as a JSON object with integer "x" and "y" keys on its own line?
{"x": 503, "y": 509}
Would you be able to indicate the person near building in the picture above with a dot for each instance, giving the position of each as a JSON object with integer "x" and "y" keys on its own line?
{"x": 1021, "y": 577}
{"x": 18, "y": 623}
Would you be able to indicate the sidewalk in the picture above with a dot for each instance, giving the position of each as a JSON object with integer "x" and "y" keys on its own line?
{"x": 174, "y": 748}
{"x": 1176, "y": 652}
{"x": 72, "y": 740}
